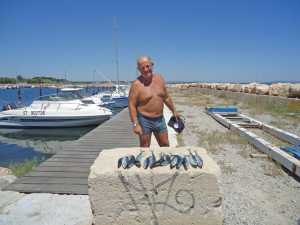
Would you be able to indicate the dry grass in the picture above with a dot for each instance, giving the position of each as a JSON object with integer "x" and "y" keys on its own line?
{"x": 223, "y": 99}
{"x": 268, "y": 137}
{"x": 201, "y": 100}
{"x": 226, "y": 167}
{"x": 180, "y": 141}
{"x": 246, "y": 150}
{"x": 190, "y": 97}
{"x": 214, "y": 140}
{"x": 20, "y": 169}
{"x": 272, "y": 169}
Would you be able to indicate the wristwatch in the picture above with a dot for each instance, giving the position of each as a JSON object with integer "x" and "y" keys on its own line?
{"x": 134, "y": 124}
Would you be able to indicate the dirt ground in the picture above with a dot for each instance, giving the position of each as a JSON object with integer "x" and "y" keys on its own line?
{"x": 257, "y": 191}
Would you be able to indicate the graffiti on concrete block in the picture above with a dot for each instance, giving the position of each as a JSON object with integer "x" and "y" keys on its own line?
{"x": 183, "y": 200}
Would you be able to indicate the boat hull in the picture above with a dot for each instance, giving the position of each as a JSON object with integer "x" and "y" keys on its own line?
{"x": 51, "y": 122}
{"x": 119, "y": 102}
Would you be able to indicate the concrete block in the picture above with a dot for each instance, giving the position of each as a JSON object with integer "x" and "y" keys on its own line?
{"x": 44, "y": 209}
{"x": 154, "y": 196}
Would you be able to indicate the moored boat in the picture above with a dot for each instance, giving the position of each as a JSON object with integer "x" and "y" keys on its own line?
{"x": 64, "y": 109}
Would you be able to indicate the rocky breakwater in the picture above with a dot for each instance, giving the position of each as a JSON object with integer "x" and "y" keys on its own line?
{"x": 276, "y": 89}
{"x": 160, "y": 195}
{"x": 6, "y": 177}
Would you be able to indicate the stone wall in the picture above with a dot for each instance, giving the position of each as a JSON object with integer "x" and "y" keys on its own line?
{"x": 276, "y": 89}
{"x": 291, "y": 103}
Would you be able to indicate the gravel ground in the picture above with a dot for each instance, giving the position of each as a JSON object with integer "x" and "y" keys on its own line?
{"x": 257, "y": 191}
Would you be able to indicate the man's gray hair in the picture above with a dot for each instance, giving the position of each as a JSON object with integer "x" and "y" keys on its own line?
{"x": 144, "y": 58}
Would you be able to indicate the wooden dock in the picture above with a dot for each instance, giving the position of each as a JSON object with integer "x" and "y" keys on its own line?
{"x": 67, "y": 171}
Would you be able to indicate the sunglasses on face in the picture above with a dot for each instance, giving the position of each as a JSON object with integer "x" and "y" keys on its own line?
{"x": 146, "y": 66}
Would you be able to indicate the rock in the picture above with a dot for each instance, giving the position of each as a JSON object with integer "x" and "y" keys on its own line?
{"x": 280, "y": 89}
{"x": 6, "y": 180}
{"x": 294, "y": 91}
{"x": 235, "y": 87}
{"x": 154, "y": 196}
{"x": 204, "y": 85}
{"x": 252, "y": 88}
{"x": 249, "y": 88}
{"x": 226, "y": 86}
{"x": 220, "y": 86}
{"x": 8, "y": 198}
{"x": 36, "y": 209}
{"x": 262, "y": 89}
{"x": 213, "y": 85}
{"x": 4, "y": 171}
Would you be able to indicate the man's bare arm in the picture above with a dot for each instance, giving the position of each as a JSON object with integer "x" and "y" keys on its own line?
{"x": 132, "y": 102}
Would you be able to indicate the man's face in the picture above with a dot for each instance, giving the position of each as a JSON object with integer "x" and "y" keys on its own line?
{"x": 145, "y": 67}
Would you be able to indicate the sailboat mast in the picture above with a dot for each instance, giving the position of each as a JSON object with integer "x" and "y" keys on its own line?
{"x": 115, "y": 31}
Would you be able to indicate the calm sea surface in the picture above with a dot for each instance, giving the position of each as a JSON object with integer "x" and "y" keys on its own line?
{"x": 18, "y": 145}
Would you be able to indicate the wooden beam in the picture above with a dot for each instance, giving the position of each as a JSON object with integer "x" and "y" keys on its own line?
{"x": 286, "y": 160}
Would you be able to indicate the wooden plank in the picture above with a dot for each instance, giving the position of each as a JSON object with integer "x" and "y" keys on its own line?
{"x": 226, "y": 123}
{"x": 96, "y": 146}
{"x": 66, "y": 164}
{"x": 258, "y": 155}
{"x": 56, "y": 159}
{"x": 53, "y": 180}
{"x": 50, "y": 188}
{"x": 288, "y": 161}
{"x": 234, "y": 118}
{"x": 74, "y": 156}
{"x": 61, "y": 169}
{"x": 77, "y": 153}
{"x": 245, "y": 125}
{"x": 84, "y": 150}
{"x": 281, "y": 134}
{"x": 82, "y": 175}
{"x": 89, "y": 149}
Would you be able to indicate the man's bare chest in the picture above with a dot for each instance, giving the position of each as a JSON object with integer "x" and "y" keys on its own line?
{"x": 146, "y": 93}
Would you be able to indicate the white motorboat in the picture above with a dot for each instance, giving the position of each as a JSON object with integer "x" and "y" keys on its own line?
{"x": 120, "y": 100}
{"x": 65, "y": 109}
{"x": 117, "y": 99}
{"x": 93, "y": 99}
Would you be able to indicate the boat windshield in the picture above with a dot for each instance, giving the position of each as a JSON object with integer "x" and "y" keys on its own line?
{"x": 106, "y": 97}
{"x": 61, "y": 96}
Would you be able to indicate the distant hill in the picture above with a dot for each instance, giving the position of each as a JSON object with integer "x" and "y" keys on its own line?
{"x": 34, "y": 80}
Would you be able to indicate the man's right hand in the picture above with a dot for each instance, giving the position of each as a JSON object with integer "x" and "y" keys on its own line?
{"x": 138, "y": 129}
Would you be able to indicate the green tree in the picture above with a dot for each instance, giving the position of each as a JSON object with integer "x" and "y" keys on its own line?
{"x": 20, "y": 78}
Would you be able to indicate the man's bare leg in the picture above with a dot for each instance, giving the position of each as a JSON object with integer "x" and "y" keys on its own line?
{"x": 145, "y": 140}
{"x": 162, "y": 139}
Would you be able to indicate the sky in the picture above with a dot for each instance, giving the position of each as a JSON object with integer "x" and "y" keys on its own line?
{"x": 192, "y": 40}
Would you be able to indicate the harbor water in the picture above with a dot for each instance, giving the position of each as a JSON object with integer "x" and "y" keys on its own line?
{"x": 19, "y": 145}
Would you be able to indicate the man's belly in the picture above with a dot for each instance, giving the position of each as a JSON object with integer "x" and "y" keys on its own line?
{"x": 154, "y": 108}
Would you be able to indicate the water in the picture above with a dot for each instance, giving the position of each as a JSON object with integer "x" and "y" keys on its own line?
{"x": 13, "y": 154}
{"x": 18, "y": 145}
{"x": 8, "y": 96}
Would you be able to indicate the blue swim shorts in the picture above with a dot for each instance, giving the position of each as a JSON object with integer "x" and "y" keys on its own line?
{"x": 149, "y": 124}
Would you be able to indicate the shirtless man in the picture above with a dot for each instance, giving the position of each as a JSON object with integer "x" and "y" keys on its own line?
{"x": 146, "y": 102}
